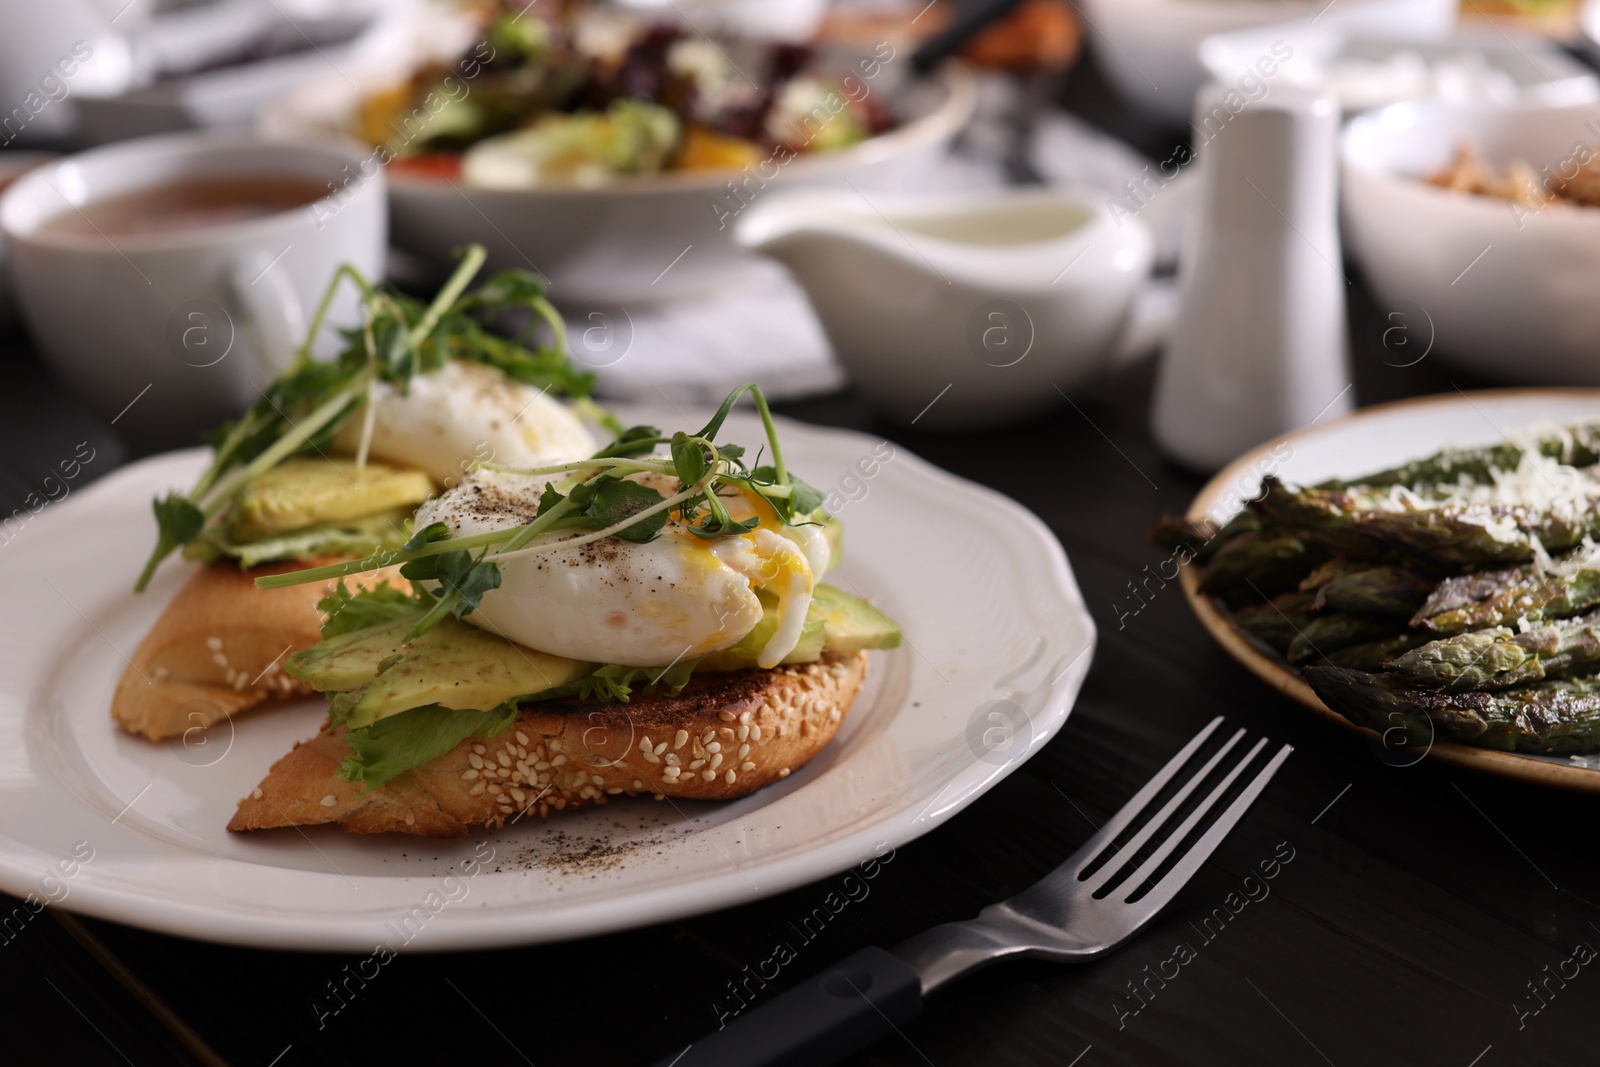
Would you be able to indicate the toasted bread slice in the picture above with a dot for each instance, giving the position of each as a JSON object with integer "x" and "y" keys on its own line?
{"x": 726, "y": 735}
{"x": 219, "y": 648}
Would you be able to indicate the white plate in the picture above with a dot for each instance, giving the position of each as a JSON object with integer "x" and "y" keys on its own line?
{"x": 1372, "y": 440}
{"x": 982, "y": 589}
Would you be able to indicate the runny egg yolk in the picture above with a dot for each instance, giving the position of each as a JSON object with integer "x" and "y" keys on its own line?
{"x": 787, "y": 564}
{"x": 770, "y": 561}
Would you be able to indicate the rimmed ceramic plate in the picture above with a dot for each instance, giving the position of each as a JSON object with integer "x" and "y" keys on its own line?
{"x": 997, "y": 643}
{"x": 1368, "y": 441}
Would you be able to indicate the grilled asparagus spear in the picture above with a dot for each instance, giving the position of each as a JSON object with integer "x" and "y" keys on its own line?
{"x": 1372, "y": 655}
{"x": 1478, "y": 535}
{"x": 1201, "y": 538}
{"x": 1266, "y": 563}
{"x": 1327, "y": 634}
{"x": 1279, "y": 621}
{"x": 1577, "y": 446}
{"x": 1324, "y": 573}
{"x": 1450, "y": 533}
{"x": 1498, "y": 658}
{"x": 1385, "y": 589}
{"x": 1501, "y": 597}
{"x": 1327, "y": 516}
{"x": 1552, "y": 717}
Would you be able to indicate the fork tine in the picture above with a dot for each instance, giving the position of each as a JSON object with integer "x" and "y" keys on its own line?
{"x": 1140, "y": 800}
{"x": 1191, "y": 861}
{"x": 1109, "y": 871}
{"x": 1172, "y": 837}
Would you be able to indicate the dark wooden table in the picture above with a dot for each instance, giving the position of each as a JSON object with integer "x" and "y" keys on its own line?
{"x": 1416, "y": 915}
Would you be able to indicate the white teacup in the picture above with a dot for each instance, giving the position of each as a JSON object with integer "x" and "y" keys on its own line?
{"x": 169, "y": 333}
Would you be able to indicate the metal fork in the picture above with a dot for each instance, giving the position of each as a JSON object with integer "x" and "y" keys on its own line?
{"x": 1082, "y": 909}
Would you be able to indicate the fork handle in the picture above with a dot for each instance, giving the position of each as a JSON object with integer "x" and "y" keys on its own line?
{"x": 824, "y": 1019}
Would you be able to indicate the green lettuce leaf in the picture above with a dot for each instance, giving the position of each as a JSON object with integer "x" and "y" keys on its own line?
{"x": 392, "y": 746}
{"x": 348, "y": 611}
{"x": 614, "y": 683}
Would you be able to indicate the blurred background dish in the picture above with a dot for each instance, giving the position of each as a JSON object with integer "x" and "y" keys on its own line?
{"x": 664, "y": 236}
{"x": 130, "y": 69}
{"x": 1506, "y": 285}
{"x": 52, "y": 55}
{"x": 1149, "y": 49}
{"x": 214, "y": 66}
{"x": 614, "y": 201}
{"x": 1557, "y": 20}
{"x": 1475, "y": 64}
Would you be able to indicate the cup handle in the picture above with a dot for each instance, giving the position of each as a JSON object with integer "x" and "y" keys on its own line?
{"x": 270, "y": 307}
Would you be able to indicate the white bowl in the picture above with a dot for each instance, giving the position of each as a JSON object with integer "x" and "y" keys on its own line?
{"x": 650, "y": 238}
{"x": 1530, "y": 68}
{"x": 1149, "y": 49}
{"x": 1500, "y": 291}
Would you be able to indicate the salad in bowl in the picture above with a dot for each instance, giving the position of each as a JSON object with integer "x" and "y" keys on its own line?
{"x": 601, "y": 147}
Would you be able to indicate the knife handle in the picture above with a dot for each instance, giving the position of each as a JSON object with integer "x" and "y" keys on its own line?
{"x": 824, "y": 1019}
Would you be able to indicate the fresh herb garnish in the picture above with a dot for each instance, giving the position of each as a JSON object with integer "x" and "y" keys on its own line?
{"x": 400, "y": 337}
{"x": 178, "y": 521}
{"x": 608, "y": 501}
{"x": 462, "y": 582}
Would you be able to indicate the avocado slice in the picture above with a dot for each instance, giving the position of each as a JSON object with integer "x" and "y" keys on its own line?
{"x": 352, "y": 660}
{"x": 464, "y": 668}
{"x": 739, "y": 656}
{"x": 835, "y": 622}
{"x": 354, "y": 537}
{"x": 311, "y": 490}
{"x": 459, "y": 666}
{"x": 849, "y": 623}
{"x": 833, "y": 530}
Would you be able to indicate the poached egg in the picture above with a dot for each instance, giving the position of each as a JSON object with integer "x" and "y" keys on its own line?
{"x": 675, "y": 597}
{"x": 465, "y": 413}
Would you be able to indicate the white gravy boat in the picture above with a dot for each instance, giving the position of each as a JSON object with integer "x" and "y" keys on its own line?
{"x": 987, "y": 303}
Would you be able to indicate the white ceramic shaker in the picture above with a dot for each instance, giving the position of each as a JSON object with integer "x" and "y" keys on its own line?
{"x": 1259, "y": 346}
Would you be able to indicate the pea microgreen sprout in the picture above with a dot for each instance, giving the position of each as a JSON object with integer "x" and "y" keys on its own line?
{"x": 398, "y": 338}
{"x": 595, "y": 496}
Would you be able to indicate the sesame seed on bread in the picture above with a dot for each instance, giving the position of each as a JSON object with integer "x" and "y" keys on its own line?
{"x": 726, "y": 735}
